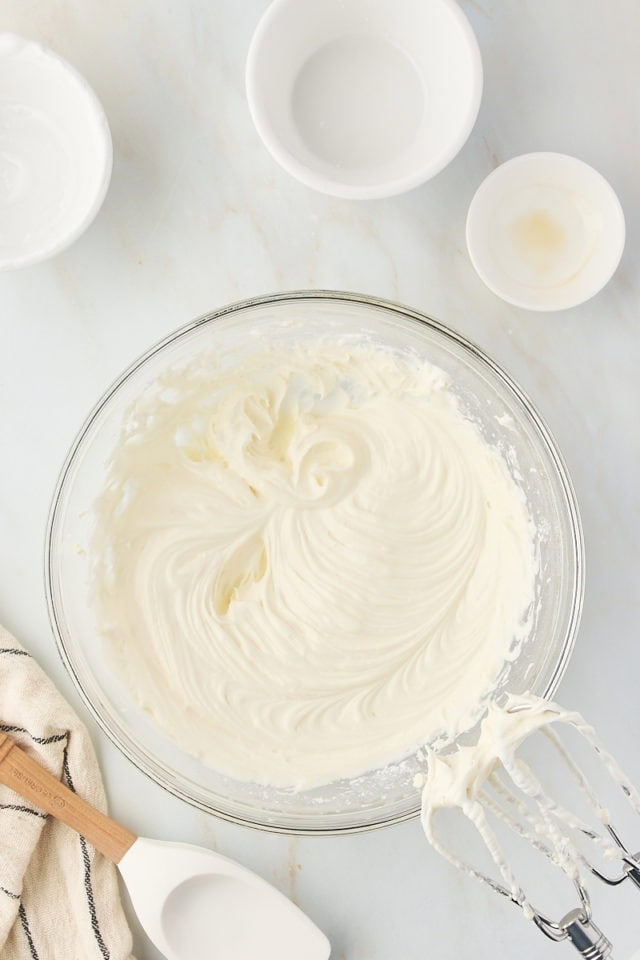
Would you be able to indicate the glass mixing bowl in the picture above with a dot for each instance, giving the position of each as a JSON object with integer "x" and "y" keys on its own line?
{"x": 485, "y": 393}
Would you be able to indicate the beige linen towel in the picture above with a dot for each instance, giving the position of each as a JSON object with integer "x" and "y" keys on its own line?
{"x": 59, "y": 898}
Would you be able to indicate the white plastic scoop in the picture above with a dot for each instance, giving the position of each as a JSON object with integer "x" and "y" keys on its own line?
{"x": 193, "y": 903}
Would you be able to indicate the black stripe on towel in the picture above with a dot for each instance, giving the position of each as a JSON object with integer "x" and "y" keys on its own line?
{"x": 56, "y": 738}
{"x": 14, "y": 651}
{"x": 95, "y": 926}
{"x": 14, "y": 896}
{"x": 22, "y": 913}
{"x": 21, "y": 809}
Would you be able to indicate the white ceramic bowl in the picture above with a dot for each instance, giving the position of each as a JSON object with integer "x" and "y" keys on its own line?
{"x": 545, "y": 231}
{"x": 364, "y": 98}
{"x": 55, "y": 153}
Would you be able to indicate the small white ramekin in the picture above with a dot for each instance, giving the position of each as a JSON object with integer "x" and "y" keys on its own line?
{"x": 55, "y": 153}
{"x": 364, "y": 98}
{"x": 545, "y": 231}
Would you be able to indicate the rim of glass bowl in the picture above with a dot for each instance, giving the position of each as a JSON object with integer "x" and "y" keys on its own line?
{"x": 155, "y": 769}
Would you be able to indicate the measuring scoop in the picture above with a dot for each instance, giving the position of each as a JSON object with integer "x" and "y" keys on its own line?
{"x": 193, "y": 903}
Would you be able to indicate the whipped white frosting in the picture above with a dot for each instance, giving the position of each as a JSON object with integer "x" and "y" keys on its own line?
{"x": 311, "y": 563}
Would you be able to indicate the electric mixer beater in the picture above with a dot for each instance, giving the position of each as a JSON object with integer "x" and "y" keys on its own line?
{"x": 488, "y": 778}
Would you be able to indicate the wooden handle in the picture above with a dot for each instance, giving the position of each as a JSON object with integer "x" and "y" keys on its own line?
{"x": 34, "y": 783}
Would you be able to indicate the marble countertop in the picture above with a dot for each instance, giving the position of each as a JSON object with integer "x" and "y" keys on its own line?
{"x": 199, "y": 215}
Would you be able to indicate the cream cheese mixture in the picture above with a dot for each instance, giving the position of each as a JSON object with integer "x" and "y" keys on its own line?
{"x": 311, "y": 563}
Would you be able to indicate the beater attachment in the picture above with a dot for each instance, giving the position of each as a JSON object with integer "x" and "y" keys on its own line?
{"x": 488, "y": 778}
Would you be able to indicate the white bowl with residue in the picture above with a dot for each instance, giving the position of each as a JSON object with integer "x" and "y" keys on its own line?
{"x": 55, "y": 153}
{"x": 364, "y": 98}
{"x": 545, "y": 231}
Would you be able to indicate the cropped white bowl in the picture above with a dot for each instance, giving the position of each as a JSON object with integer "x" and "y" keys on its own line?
{"x": 55, "y": 153}
{"x": 364, "y": 98}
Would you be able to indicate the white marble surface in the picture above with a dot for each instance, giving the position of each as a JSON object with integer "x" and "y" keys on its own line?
{"x": 199, "y": 215}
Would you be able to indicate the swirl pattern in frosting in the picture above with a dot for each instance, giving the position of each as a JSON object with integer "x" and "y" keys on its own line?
{"x": 311, "y": 563}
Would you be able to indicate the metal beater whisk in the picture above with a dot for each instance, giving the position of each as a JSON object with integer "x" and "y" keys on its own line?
{"x": 490, "y": 778}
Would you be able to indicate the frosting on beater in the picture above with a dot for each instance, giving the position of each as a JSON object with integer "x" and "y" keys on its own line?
{"x": 488, "y": 782}
{"x": 310, "y": 563}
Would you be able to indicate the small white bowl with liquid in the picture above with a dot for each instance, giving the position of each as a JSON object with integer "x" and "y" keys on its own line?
{"x": 364, "y": 98}
{"x": 545, "y": 231}
{"x": 55, "y": 153}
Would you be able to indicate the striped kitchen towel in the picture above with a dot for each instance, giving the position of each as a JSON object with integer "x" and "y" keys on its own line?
{"x": 59, "y": 898}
